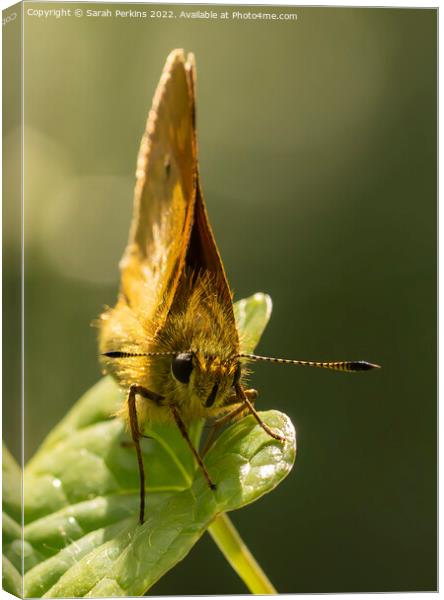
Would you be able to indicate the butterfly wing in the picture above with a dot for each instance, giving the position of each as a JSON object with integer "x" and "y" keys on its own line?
{"x": 170, "y": 229}
{"x": 170, "y": 234}
{"x": 203, "y": 255}
{"x": 164, "y": 195}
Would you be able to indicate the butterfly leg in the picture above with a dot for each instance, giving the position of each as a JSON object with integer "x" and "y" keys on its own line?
{"x": 136, "y": 435}
{"x": 219, "y": 423}
{"x": 248, "y": 404}
{"x": 184, "y": 432}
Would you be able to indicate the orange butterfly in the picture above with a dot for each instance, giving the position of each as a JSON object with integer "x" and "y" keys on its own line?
{"x": 171, "y": 340}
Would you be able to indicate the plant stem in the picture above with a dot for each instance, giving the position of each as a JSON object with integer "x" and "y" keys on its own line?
{"x": 240, "y": 558}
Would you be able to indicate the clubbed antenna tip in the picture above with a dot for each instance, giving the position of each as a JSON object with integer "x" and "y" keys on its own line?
{"x": 362, "y": 365}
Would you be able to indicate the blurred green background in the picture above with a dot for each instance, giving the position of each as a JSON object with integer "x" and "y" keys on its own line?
{"x": 318, "y": 159}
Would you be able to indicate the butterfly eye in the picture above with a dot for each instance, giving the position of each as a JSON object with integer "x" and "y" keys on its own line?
{"x": 237, "y": 374}
{"x": 182, "y": 366}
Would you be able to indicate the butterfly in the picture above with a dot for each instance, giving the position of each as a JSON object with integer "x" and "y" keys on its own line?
{"x": 171, "y": 340}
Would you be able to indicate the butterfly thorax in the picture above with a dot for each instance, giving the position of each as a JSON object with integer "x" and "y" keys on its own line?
{"x": 201, "y": 328}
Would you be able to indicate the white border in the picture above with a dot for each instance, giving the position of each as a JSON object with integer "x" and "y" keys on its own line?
{"x": 345, "y": 3}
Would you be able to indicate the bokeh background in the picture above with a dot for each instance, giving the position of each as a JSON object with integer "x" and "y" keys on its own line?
{"x": 318, "y": 159}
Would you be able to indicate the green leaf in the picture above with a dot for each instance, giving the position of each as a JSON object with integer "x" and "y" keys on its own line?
{"x": 82, "y": 491}
{"x": 11, "y": 579}
{"x": 11, "y": 530}
{"x": 252, "y": 315}
{"x": 11, "y": 478}
{"x": 104, "y": 552}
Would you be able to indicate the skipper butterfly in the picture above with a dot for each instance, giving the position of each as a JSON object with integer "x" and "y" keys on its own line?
{"x": 171, "y": 340}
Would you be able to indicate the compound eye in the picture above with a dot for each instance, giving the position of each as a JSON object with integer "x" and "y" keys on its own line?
{"x": 237, "y": 374}
{"x": 182, "y": 366}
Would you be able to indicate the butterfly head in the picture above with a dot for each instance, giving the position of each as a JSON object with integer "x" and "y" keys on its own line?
{"x": 209, "y": 378}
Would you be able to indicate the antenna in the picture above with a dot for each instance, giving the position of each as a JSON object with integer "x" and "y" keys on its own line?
{"x": 131, "y": 355}
{"x": 348, "y": 366}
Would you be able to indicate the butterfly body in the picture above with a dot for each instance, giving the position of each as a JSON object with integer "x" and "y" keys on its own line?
{"x": 196, "y": 325}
